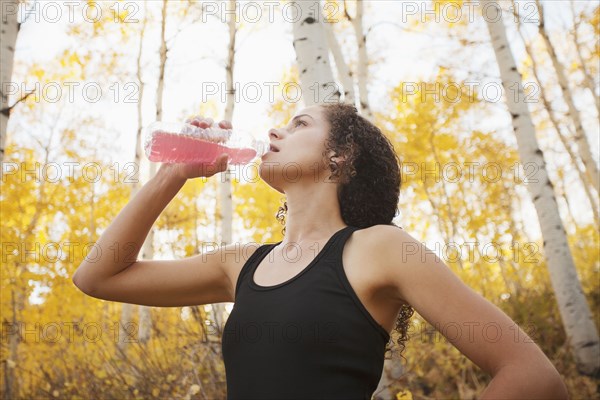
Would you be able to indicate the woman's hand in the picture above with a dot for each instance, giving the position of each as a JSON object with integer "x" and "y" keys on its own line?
{"x": 195, "y": 170}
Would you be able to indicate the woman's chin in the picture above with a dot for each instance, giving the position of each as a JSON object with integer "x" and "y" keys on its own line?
{"x": 268, "y": 177}
{"x": 275, "y": 187}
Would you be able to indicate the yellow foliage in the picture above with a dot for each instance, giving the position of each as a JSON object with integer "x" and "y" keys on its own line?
{"x": 82, "y": 360}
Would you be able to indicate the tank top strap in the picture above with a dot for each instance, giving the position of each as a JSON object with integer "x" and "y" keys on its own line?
{"x": 252, "y": 263}
{"x": 335, "y": 252}
{"x": 339, "y": 241}
{"x": 332, "y": 250}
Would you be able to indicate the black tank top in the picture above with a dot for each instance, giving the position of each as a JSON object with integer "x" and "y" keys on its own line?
{"x": 309, "y": 337}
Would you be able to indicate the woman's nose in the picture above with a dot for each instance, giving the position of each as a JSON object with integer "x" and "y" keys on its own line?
{"x": 274, "y": 134}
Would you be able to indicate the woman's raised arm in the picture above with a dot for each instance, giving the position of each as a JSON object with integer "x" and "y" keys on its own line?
{"x": 474, "y": 325}
{"x": 112, "y": 272}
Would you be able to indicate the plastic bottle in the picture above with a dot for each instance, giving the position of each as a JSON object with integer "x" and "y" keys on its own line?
{"x": 181, "y": 142}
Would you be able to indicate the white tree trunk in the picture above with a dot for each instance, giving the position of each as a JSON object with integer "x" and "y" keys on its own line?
{"x": 9, "y": 29}
{"x": 392, "y": 371}
{"x": 363, "y": 61}
{"x": 580, "y": 136}
{"x": 145, "y": 329}
{"x": 574, "y": 310}
{"x": 226, "y": 209}
{"x": 588, "y": 79}
{"x": 139, "y": 137}
{"x": 11, "y": 383}
{"x": 147, "y": 252}
{"x": 312, "y": 56}
{"x": 554, "y": 121}
{"x": 145, "y": 318}
{"x": 344, "y": 72}
{"x": 392, "y": 367}
{"x": 124, "y": 333}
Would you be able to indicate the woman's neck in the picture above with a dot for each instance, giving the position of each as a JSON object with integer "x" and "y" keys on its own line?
{"x": 313, "y": 214}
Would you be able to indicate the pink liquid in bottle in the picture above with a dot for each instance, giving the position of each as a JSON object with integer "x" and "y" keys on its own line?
{"x": 163, "y": 145}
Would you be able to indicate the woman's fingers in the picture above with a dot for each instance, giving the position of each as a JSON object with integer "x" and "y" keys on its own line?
{"x": 205, "y": 123}
{"x": 220, "y": 165}
{"x": 202, "y": 122}
{"x": 196, "y": 170}
{"x": 194, "y": 119}
{"x": 225, "y": 124}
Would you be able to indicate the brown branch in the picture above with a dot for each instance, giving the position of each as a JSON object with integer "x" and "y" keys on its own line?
{"x": 346, "y": 12}
{"x": 6, "y": 111}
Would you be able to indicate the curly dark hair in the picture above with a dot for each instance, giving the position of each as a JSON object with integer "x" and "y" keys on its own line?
{"x": 369, "y": 178}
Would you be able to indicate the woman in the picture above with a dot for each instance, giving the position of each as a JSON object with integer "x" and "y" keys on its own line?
{"x": 312, "y": 314}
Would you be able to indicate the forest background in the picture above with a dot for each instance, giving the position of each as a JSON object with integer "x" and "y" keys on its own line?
{"x": 81, "y": 81}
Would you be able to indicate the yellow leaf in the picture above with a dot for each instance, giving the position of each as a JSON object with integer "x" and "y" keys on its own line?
{"x": 404, "y": 395}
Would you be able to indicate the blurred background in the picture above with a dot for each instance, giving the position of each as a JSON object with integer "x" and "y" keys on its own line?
{"x": 493, "y": 112}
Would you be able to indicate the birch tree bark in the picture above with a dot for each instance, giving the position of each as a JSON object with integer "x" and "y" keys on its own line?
{"x": 9, "y": 29}
{"x": 555, "y": 123}
{"x": 147, "y": 251}
{"x": 392, "y": 367}
{"x": 145, "y": 328}
{"x": 574, "y": 310}
{"x": 580, "y": 135}
{"x": 588, "y": 79}
{"x": 363, "y": 59}
{"x": 344, "y": 72}
{"x": 226, "y": 203}
{"x": 313, "y": 63}
{"x": 139, "y": 137}
{"x": 312, "y": 55}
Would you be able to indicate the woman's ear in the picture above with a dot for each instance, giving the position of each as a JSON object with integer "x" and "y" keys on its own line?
{"x": 335, "y": 156}
{"x": 335, "y": 163}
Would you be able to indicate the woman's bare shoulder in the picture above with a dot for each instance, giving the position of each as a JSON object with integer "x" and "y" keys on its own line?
{"x": 391, "y": 245}
{"x": 235, "y": 255}
{"x": 381, "y": 246}
{"x": 384, "y": 235}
